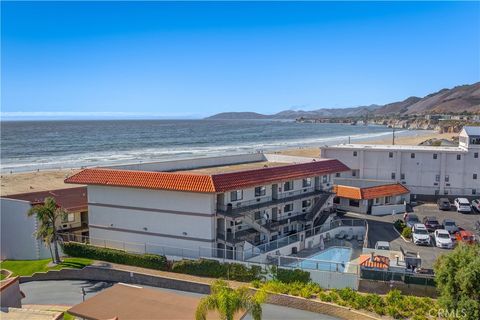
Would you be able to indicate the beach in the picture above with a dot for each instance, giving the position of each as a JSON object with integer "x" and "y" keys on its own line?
{"x": 13, "y": 183}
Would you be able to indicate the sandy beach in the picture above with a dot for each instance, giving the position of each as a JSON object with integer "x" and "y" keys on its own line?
{"x": 13, "y": 183}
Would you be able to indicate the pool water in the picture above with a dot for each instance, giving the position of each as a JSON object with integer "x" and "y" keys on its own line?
{"x": 332, "y": 259}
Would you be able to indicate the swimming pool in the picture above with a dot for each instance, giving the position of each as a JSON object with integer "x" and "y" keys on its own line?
{"x": 332, "y": 259}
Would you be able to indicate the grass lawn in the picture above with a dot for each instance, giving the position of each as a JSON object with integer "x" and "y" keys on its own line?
{"x": 2, "y": 276}
{"x": 29, "y": 267}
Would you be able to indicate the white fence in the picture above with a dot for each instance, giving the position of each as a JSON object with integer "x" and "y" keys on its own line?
{"x": 388, "y": 209}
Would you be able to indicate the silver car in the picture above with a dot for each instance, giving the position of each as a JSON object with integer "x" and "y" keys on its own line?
{"x": 450, "y": 226}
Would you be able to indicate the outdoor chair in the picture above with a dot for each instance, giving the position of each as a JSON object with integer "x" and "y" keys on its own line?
{"x": 340, "y": 235}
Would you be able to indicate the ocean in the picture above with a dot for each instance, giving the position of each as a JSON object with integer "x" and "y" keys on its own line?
{"x": 32, "y": 145}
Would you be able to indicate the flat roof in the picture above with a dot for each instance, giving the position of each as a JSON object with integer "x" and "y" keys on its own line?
{"x": 385, "y": 147}
{"x": 124, "y": 302}
{"x": 233, "y": 167}
{"x": 72, "y": 199}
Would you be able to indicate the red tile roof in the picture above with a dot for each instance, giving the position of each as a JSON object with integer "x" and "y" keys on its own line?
{"x": 370, "y": 192}
{"x": 379, "y": 262}
{"x": 71, "y": 199}
{"x": 205, "y": 183}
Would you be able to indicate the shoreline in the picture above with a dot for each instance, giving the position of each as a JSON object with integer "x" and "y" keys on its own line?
{"x": 50, "y": 179}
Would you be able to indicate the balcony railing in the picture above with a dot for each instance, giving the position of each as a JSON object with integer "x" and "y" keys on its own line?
{"x": 253, "y": 205}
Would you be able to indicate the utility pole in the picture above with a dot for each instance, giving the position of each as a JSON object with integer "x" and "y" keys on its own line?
{"x": 393, "y": 135}
{"x": 348, "y": 139}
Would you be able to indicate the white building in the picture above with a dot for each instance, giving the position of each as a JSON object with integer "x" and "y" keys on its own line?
{"x": 234, "y": 203}
{"x": 18, "y": 240}
{"x": 425, "y": 170}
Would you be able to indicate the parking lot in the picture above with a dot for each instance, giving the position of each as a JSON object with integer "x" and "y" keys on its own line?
{"x": 381, "y": 229}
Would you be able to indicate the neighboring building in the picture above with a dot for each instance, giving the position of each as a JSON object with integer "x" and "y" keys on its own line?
{"x": 370, "y": 196}
{"x": 234, "y": 203}
{"x": 10, "y": 294}
{"x": 425, "y": 170}
{"x": 17, "y": 229}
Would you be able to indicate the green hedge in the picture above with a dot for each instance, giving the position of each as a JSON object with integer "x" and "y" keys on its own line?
{"x": 215, "y": 269}
{"x": 290, "y": 276}
{"x": 152, "y": 261}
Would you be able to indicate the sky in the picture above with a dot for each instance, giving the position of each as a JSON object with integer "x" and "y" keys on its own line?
{"x": 194, "y": 59}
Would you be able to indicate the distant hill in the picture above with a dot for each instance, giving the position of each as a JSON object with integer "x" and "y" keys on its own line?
{"x": 465, "y": 98}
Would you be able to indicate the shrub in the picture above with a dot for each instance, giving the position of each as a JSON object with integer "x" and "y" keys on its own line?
{"x": 399, "y": 225}
{"x": 215, "y": 269}
{"x": 152, "y": 261}
{"x": 289, "y": 276}
{"x": 407, "y": 232}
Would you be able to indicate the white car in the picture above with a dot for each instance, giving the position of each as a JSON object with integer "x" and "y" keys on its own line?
{"x": 382, "y": 245}
{"x": 420, "y": 235}
{"x": 442, "y": 239}
{"x": 462, "y": 205}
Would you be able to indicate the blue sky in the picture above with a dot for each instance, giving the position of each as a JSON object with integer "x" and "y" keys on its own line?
{"x": 181, "y": 59}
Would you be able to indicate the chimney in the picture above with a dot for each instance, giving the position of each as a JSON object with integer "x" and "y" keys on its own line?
{"x": 372, "y": 257}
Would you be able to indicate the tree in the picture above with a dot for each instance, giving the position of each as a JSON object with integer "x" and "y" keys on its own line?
{"x": 47, "y": 215}
{"x": 457, "y": 275}
{"x": 227, "y": 301}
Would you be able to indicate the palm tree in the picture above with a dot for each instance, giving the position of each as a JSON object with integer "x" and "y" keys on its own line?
{"x": 47, "y": 215}
{"x": 227, "y": 301}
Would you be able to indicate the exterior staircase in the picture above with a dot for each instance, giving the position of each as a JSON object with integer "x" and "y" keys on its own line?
{"x": 318, "y": 207}
{"x": 255, "y": 225}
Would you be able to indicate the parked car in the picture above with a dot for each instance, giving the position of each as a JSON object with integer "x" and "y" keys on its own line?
{"x": 465, "y": 237}
{"x": 462, "y": 205}
{"x": 382, "y": 245}
{"x": 476, "y": 205}
{"x": 411, "y": 220}
{"x": 444, "y": 204}
{"x": 442, "y": 239}
{"x": 450, "y": 225}
{"x": 431, "y": 223}
{"x": 420, "y": 235}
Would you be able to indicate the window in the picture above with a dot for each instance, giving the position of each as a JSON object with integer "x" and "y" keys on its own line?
{"x": 393, "y": 175}
{"x": 68, "y": 217}
{"x": 437, "y": 178}
{"x": 354, "y": 153}
{"x": 287, "y": 186}
{"x": 324, "y": 179}
{"x": 236, "y": 195}
{"x": 260, "y": 191}
{"x": 445, "y": 192}
{"x": 437, "y": 192}
{"x": 285, "y": 229}
{"x": 354, "y": 203}
{"x": 306, "y": 203}
{"x": 412, "y": 155}
{"x": 390, "y": 154}
{"x": 336, "y": 200}
{"x": 337, "y": 174}
{"x": 354, "y": 173}
{"x": 307, "y": 182}
{"x": 474, "y": 176}
{"x": 475, "y": 155}
{"x": 474, "y": 191}
{"x": 459, "y": 157}
{"x": 402, "y": 176}
{"x": 447, "y": 178}
{"x": 435, "y": 156}
{"x": 387, "y": 200}
{"x": 288, "y": 207}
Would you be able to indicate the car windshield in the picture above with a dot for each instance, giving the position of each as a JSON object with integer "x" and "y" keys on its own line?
{"x": 443, "y": 235}
{"x": 421, "y": 231}
{"x": 449, "y": 223}
{"x": 382, "y": 248}
{"x": 412, "y": 218}
{"x": 433, "y": 221}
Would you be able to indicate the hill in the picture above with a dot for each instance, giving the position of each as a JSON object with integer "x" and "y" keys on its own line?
{"x": 465, "y": 98}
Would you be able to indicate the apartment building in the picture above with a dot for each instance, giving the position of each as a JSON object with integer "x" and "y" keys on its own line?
{"x": 427, "y": 171}
{"x": 18, "y": 240}
{"x": 231, "y": 203}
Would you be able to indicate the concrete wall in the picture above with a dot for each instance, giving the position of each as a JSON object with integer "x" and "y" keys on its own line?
{"x": 185, "y": 164}
{"x": 388, "y": 209}
{"x": 17, "y": 232}
{"x": 273, "y": 157}
{"x": 157, "y": 217}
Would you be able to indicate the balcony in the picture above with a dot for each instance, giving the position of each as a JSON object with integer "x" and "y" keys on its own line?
{"x": 254, "y": 205}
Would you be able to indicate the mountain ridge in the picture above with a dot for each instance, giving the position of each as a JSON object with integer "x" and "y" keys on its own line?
{"x": 459, "y": 99}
